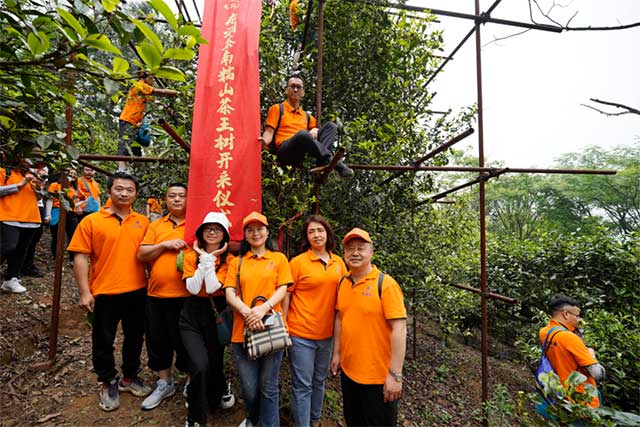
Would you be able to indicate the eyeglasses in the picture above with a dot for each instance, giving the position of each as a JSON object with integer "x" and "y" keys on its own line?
{"x": 575, "y": 314}
{"x": 212, "y": 230}
{"x": 296, "y": 87}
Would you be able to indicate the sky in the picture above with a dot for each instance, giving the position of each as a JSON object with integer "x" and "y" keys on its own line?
{"x": 534, "y": 83}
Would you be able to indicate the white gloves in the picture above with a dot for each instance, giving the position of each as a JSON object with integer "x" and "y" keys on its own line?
{"x": 206, "y": 272}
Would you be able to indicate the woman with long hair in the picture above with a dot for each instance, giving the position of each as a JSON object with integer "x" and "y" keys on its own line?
{"x": 259, "y": 271}
{"x": 204, "y": 270}
{"x": 310, "y": 310}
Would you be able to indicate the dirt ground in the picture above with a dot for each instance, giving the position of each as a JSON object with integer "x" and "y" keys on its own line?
{"x": 442, "y": 385}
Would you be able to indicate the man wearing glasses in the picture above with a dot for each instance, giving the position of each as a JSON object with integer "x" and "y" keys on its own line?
{"x": 566, "y": 350}
{"x": 294, "y": 132}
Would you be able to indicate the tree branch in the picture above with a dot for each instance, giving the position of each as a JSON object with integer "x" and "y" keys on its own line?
{"x": 567, "y": 26}
{"x": 629, "y": 110}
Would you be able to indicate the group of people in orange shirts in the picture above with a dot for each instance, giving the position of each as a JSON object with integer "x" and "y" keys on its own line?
{"x": 28, "y": 204}
{"x": 347, "y": 321}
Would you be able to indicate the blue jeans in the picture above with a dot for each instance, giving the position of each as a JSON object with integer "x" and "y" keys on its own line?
{"x": 259, "y": 385}
{"x": 309, "y": 367}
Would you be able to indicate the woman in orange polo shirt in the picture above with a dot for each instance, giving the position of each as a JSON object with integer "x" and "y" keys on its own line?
{"x": 310, "y": 310}
{"x": 204, "y": 270}
{"x": 258, "y": 271}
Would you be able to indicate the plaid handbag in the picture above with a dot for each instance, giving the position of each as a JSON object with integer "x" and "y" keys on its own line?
{"x": 273, "y": 338}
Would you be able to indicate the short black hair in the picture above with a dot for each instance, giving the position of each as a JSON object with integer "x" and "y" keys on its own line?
{"x": 122, "y": 175}
{"x": 560, "y": 302}
{"x": 177, "y": 184}
{"x": 293, "y": 76}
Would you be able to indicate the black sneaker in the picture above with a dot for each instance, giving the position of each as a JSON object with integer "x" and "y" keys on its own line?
{"x": 33, "y": 272}
{"x": 344, "y": 171}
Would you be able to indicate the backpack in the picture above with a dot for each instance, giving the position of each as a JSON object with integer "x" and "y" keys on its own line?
{"x": 272, "y": 146}
{"x": 92, "y": 204}
{"x": 544, "y": 367}
{"x": 144, "y": 135}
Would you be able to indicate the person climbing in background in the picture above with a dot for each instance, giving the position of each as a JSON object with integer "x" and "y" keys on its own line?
{"x": 133, "y": 113}
{"x": 295, "y": 13}
{"x": 113, "y": 288}
{"x": 293, "y": 132}
{"x": 19, "y": 221}
{"x": 566, "y": 350}
{"x": 52, "y": 211}
{"x": 88, "y": 194}
{"x": 154, "y": 209}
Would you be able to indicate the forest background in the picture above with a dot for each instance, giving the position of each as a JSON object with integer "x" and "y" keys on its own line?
{"x": 547, "y": 234}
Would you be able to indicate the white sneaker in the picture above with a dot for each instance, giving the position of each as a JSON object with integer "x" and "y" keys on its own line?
{"x": 163, "y": 390}
{"x": 246, "y": 423}
{"x": 228, "y": 399}
{"x": 13, "y": 285}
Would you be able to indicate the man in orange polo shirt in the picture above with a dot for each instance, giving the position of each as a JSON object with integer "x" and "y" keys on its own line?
{"x": 566, "y": 350}
{"x": 166, "y": 293}
{"x": 295, "y": 134}
{"x": 370, "y": 335}
{"x": 115, "y": 291}
{"x": 19, "y": 222}
{"x": 133, "y": 114}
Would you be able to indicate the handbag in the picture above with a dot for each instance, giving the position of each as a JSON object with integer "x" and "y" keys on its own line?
{"x": 92, "y": 204}
{"x": 55, "y": 216}
{"x": 274, "y": 337}
{"x": 224, "y": 323}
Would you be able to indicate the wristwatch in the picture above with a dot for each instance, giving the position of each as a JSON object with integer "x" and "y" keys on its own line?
{"x": 396, "y": 375}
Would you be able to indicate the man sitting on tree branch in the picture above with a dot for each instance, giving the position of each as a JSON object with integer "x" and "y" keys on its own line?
{"x": 295, "y": 132}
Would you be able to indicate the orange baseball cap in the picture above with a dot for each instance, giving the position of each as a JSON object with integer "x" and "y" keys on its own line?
{"x": 255, "y": 217}
{"x": 357, "y": 233}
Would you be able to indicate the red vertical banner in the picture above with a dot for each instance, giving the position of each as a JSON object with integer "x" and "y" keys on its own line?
{"x": 225, "y": 168}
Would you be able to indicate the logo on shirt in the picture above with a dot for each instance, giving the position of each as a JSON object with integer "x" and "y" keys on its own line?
{"x": 367, "y": 291}
{"x": 137, "y": 224}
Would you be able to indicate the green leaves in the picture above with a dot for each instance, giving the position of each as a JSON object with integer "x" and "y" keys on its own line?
{"x": 72, "y": 22}
{"x": 150, "y": 55}
{"x": 170, "y": 73}
{"x": 102, "y": 42}
{"x": 149, "y": 35}
{"x": 120, "y": 66}
{"x": 110, "y": 5}
{"x": 180, "y": 54}
{"x": 162, "y": 8}
{"x": 38, "y": 44}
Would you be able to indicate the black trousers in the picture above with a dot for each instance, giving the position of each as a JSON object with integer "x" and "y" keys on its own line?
{"x": 70, "y": 227}
{"x": 206, "y": 355}
{"x": 293, "y": 150}
{"x": 128, "y": 134}
{"x": 364, "y": 404}
{"x": 163, "y": 335}
{"x": 14, "y": 244}
{"x": 31, "y": 250}
{"x": 110, "y": 310}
